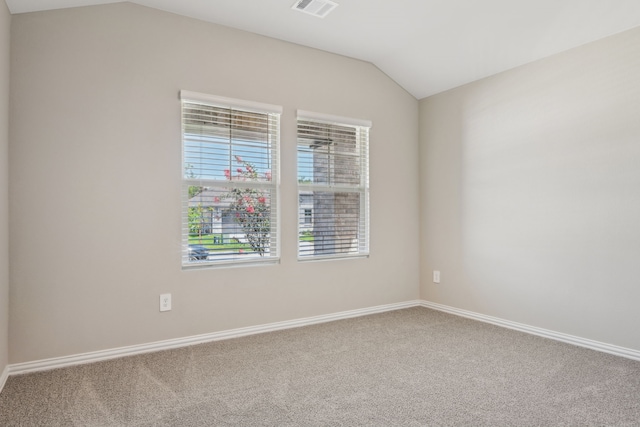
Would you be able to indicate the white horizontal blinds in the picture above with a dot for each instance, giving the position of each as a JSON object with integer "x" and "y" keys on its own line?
{"x": 333, "y": 188}
{"x": 230, "y": 172}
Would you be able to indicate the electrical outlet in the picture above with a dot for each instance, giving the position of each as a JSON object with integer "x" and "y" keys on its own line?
{"x": 165, "y": 302}
{"x": 436, "y": 276}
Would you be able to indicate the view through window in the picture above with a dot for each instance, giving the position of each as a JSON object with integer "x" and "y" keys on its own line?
{"x": 230, "y": 172}
{"x": 333, "y": 187}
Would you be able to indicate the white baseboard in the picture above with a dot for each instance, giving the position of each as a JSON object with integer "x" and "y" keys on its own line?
{"x": 3, "y": 377}
{"x": 97, "y": 356}
{"x": 558, "y": 336}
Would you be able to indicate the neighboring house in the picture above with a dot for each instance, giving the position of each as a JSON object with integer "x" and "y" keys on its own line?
{"x": 305, "y": 212}
{"x": 333, "y": 220}
{"x": 216, "y": 216}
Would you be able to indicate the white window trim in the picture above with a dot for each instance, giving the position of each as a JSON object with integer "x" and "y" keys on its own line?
{"x": 331, "y": 119}
{"x": 223, "y": 102}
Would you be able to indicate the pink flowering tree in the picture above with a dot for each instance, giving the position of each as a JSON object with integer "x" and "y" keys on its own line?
{"x": 250, "y": 206}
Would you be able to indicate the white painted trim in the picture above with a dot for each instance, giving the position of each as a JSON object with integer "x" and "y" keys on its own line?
{"x": 3, "y": 377}
{"x": 97, "y": 356}
{"x": 557, "y": 336}
{"x": 223, "y": 102}
{"x": 331, "y": 119}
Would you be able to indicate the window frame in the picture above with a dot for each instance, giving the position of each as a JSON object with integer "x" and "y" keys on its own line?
{"x": 271, "y": 184}
{"x": 362, "y": 130}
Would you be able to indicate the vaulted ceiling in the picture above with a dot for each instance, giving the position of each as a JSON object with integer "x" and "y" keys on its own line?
{"x": 426, "y": 46}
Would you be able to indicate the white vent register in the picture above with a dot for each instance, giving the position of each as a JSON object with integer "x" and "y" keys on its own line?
{"x": 318, "y": 8}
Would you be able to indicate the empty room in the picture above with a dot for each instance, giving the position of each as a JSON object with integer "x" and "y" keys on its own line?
{"x": 319, "y": 213}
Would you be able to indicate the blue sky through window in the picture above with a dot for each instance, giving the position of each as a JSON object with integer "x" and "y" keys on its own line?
{"x": 207, "y": 157}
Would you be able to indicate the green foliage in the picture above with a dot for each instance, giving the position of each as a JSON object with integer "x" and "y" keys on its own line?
{"x": 196, "y": 219}
{"x": 251, "y": 207}
{"x": 195, "y": 190}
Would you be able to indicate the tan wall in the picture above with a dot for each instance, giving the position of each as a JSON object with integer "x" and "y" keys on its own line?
{"x": 96, "y": 147}
{"x": 5, "y": 25}
{"x": 530, "y": 199}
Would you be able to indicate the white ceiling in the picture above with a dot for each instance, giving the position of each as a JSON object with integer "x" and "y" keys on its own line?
{"x": 427, "y": 46}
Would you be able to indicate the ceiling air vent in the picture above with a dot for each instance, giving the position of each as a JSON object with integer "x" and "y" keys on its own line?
{"x": 318, "y": 8}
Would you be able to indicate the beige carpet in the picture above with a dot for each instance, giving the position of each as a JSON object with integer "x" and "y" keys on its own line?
{"x": 411, "y": 367}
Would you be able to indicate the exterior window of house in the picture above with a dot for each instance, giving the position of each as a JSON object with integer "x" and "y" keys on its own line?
{"x": 333, "y": 186}
{"x": 307, "y": 216}
{"x": 230, "y": 176}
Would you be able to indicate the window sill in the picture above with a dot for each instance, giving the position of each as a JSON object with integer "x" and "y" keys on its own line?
{"x": 331, "y": 257}
{"x": 201, "y": 265}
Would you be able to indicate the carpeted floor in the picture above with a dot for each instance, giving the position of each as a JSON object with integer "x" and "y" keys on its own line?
{"x": 411, "y": 367}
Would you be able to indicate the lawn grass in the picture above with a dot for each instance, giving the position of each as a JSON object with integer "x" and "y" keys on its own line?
{"x": 207, "y": 240}
{"x": 306, "y": 236}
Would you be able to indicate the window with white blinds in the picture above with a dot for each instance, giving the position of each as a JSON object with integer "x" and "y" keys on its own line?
{"x": 333, "y": 186}
{"x": 230, "y": 178}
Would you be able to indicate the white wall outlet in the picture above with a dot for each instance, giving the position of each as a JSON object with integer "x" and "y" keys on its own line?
{"x": 436, "y": 276}
{"x": 165, "y": 302}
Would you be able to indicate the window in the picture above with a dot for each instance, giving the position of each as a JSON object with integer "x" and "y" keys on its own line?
{"x": 230, "y": 181}
{"x": 307, "y": 216}
{"x": 333, "y": 186}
